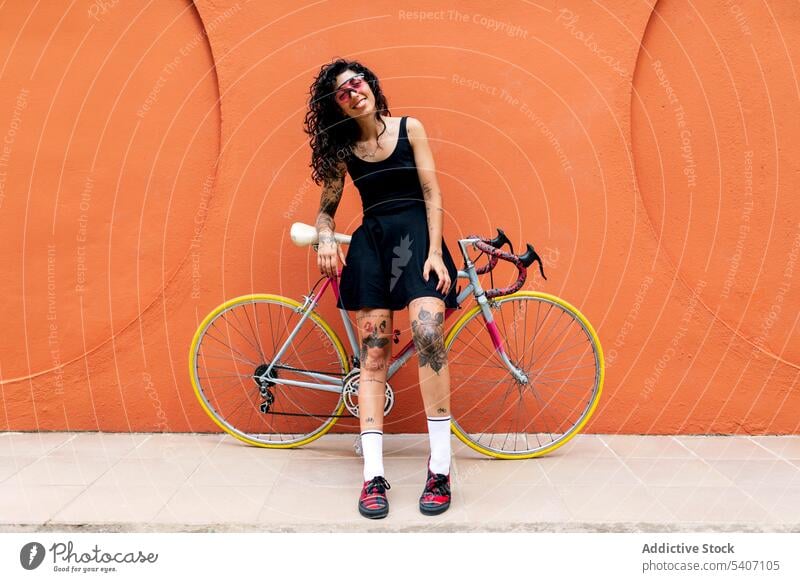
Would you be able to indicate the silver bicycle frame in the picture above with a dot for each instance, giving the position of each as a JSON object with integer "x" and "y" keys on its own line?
{"x": 335, "y": 384}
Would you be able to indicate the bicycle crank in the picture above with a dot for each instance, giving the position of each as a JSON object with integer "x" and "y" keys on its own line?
{"x": 350, "y": 393}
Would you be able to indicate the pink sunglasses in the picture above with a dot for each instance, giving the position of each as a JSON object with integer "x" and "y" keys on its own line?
{"x": 343, "y": 91}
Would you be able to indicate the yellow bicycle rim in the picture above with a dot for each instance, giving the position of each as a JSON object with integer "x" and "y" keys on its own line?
{"x": 577, "y": 428}
{"x": 278, "y": 299}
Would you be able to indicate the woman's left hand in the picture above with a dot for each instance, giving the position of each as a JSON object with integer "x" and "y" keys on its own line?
{"x": 435, "y": 263}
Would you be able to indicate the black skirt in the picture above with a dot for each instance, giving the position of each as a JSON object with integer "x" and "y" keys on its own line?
{"x": 385, "y": 259}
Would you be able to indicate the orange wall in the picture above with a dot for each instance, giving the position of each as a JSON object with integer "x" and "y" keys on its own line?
{"x": 153, "y": 160}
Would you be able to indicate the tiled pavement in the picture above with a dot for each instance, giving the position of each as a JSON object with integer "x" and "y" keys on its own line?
{"x": 187, "y": 482}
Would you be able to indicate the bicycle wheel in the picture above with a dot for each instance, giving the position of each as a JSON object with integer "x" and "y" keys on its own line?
{"x": 555, "y": 347}
{"x": 233, "y": 346}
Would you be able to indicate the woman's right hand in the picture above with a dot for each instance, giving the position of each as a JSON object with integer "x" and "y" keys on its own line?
{"x": 327, "y": 251}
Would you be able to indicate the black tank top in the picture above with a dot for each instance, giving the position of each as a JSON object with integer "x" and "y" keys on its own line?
{"x": 391, "y": 185}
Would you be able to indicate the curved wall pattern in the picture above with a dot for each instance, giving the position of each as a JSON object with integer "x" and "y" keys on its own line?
{"x": 155, "y": 161}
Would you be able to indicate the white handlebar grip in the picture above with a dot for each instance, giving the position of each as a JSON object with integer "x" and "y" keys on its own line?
{"x": 303, "y": 234}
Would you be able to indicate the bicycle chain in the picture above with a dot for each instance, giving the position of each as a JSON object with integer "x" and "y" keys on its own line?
{"x": 285, "y": 367}
{"x": 311, "y": 415}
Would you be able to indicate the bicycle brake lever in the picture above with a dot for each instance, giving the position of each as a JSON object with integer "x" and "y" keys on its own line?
{"x": 529, "y": 257}
{"x": 541, "y": 269}
{"x": 500, "y": 240}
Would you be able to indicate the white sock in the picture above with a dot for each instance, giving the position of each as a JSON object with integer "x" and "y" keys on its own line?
{"x": 439, "y": 435}
{"x": 372, "y": 447}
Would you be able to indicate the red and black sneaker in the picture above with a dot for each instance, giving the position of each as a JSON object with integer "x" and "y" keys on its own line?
{"x": 435, "y": 498}
{"x": 373, "y": 503}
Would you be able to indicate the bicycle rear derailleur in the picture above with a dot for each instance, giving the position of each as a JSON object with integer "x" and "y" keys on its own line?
{"x": 264, "y": 384}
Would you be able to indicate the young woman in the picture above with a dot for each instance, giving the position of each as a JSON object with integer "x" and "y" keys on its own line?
{"x": 397, "y": 258}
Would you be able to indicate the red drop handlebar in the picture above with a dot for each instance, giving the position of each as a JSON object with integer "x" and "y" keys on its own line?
{"x": 492, "y": 247}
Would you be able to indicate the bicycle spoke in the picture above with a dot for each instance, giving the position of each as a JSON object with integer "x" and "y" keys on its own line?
{"x": 488, "y": 355}
{"x": 229, "y": 372}
{"x": 250, "y": 416}
{"x": 520, "y": 402}
{"x": 551, "y": 325}
{"x": 502, "y": 414}
{"x": 547, "y": 334}
{"x": 224, "y": 372}
{"x": 257, "y": 329}
{"x": 561, "y": 333}
{"x": 551, "y": 350}
{"x": 483, "y": 365}
{"x": 571, "y": 358}
{"x": 505, "y": 397}
{"x": 525, "y": 333}
{"x": 226, "y": 357}
{"x": 473, "y": 381}
{"x": 550, "y": 380}
{"x": 255, "y": 334}
{"x": 241, "y": 403}
{"x": 582, "y": 342}
{"x": 549, "y": 356}
{"x": 569, "y": 368}
{"x": 552, "y": 401}
{"x": 271, "y": 328}
{"x": 220, "y": 386}
{"x": 252, "y": 345}
{"x": 543, "y": 408}
{"x": 247, "y": 345}
{"x": 535, "y": 332}
{"x": 560, "y": 390}
{"x": 226, "y": 376}
{"x": 505, "y": 440}
{"x": 485, "y": 394}
{"x": 210, "y": 335}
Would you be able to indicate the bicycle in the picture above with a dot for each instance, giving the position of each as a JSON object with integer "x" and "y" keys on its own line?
{"x": 278, "y": 392}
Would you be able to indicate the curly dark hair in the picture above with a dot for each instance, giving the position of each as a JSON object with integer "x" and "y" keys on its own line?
{"x": 331, "y": 132}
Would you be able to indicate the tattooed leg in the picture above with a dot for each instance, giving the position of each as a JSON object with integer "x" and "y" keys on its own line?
{"x": 374, "y": 327}
{"x": 427, "y": 330}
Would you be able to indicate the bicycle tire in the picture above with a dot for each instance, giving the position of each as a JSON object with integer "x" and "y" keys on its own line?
{"x": 472, "y": 420}
{"x": 243, "y": 363}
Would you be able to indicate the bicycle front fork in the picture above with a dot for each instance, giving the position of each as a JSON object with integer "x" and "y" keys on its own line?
{"x": 497, "y": 341}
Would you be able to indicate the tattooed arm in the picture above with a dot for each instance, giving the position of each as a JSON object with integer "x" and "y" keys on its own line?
{"x": 427, "y": 179}
{"x": 329, "y": 201}
{"x": 433, "y": 204}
